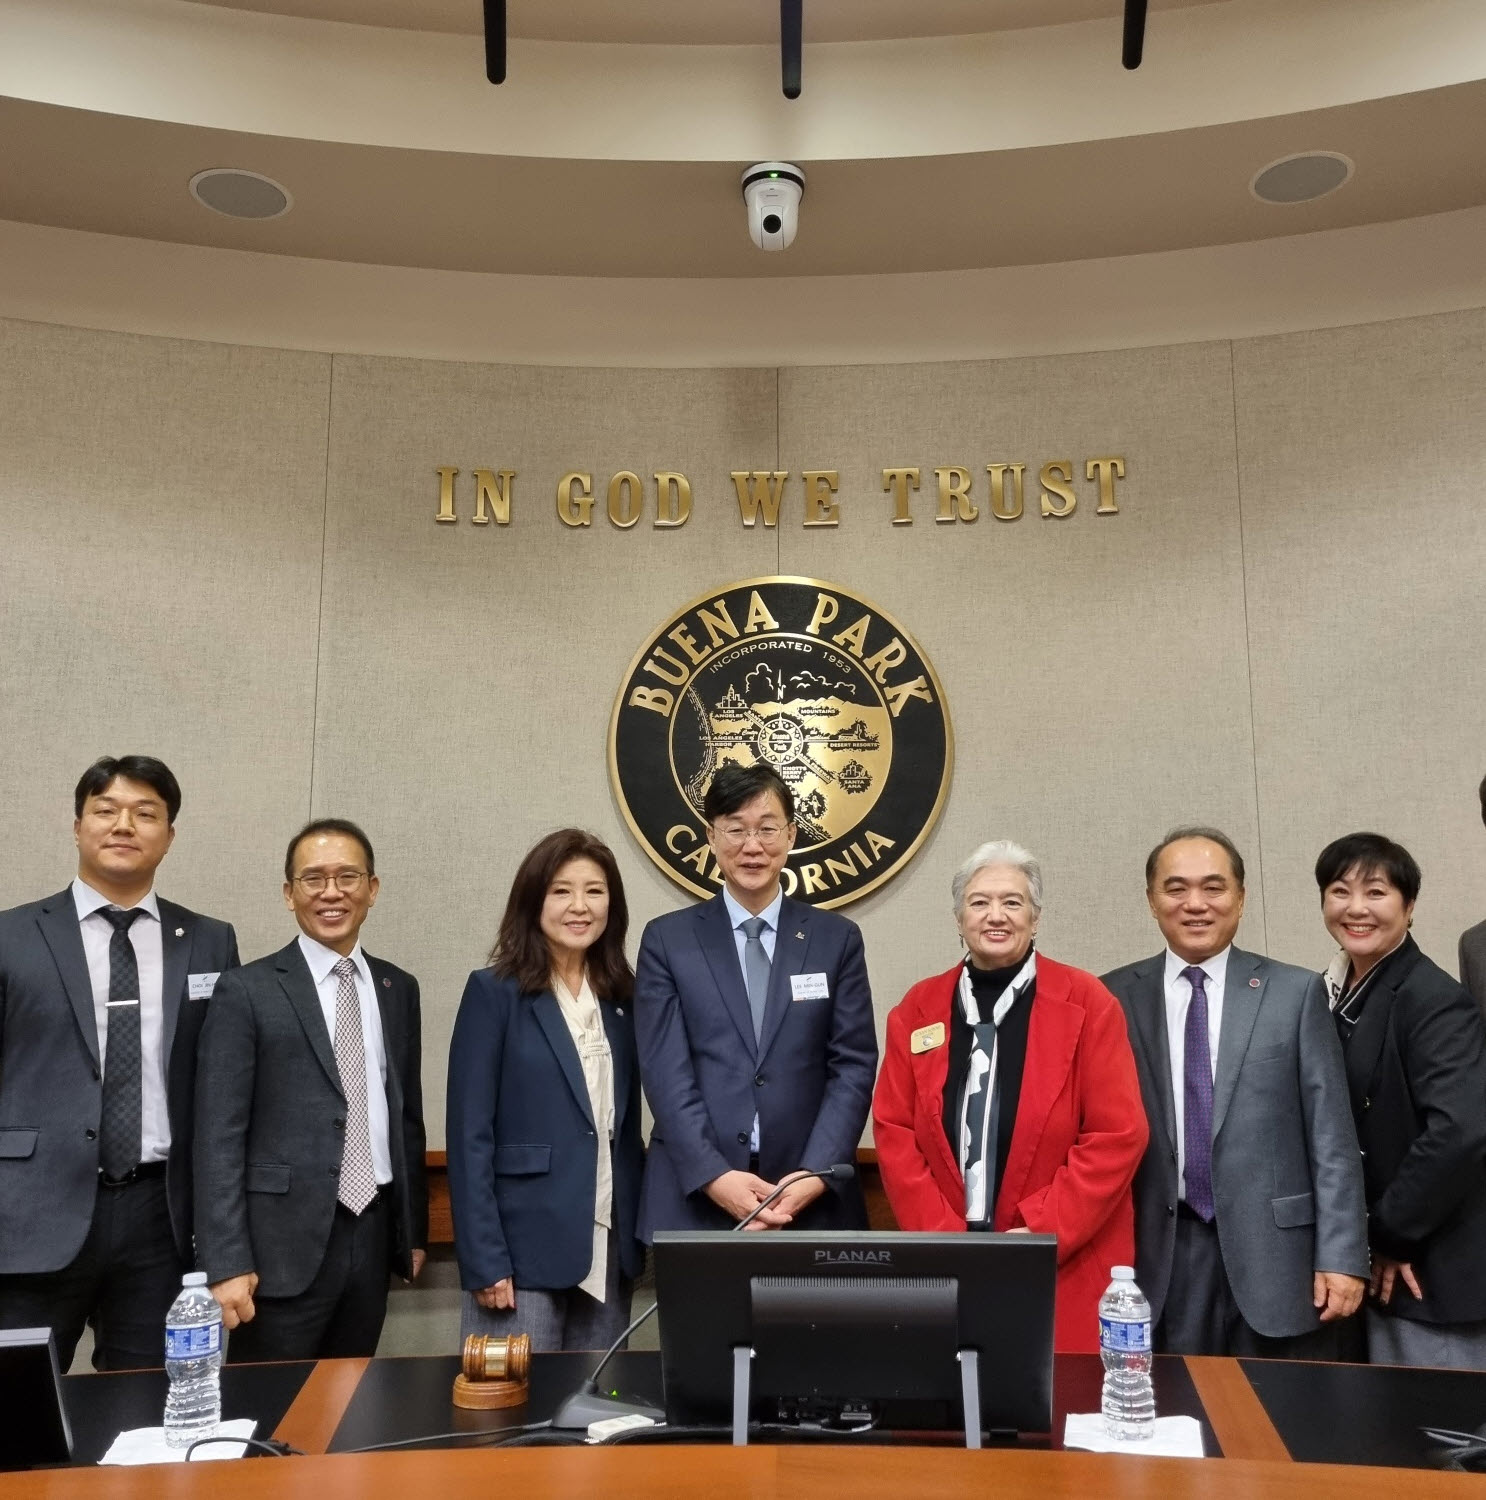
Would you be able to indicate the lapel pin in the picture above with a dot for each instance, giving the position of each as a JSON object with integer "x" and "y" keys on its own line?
{"x": 180, "y": 932}
{"x": 799, "y": 934}
{"x": 1253, "y": 984}
{"x": 618, "y": 1010}
{"x": 386, "y": 984}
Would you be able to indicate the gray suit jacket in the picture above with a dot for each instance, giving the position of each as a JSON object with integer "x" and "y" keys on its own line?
{"x": 51, "y": 1090}
{"x": 271, "y": 1119}
{"x": 1287, "y": 1174}
{"x": 1473, "y": 962}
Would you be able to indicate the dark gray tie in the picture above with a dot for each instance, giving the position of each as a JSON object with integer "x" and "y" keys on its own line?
{"x": 120, "y": 1131}
{"x": 756, "y": 971}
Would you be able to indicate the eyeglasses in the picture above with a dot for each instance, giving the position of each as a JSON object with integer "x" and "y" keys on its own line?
{"x": 768, "y": 834}
{"x": 346, "y": 882}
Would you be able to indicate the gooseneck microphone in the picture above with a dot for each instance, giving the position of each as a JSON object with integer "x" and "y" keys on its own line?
{"x": 586, "y": 1405}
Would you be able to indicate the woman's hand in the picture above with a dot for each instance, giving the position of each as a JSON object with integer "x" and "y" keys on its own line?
{"x": 500, "y": 1296}
{"x": 1386, "y": 1272}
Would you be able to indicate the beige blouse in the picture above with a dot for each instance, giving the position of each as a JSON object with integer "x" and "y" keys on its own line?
{"x": 586, "y": 1027}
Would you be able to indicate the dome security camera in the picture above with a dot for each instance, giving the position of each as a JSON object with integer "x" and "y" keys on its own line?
{"x": 772, "y": 190}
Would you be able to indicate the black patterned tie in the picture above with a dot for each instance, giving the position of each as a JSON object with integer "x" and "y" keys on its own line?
{"x": 119, "y": 1145}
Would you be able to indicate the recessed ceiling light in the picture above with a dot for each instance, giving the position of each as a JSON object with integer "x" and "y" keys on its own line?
{"x": 240, "y": 194}
{"x": 1301, "y": 178}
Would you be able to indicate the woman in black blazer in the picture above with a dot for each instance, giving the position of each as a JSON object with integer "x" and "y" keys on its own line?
{"x": 544, "y": 1109}
{"x": 1415, "y": 1049}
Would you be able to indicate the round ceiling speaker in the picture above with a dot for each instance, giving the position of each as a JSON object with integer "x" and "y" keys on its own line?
{"x": 1301, "y": 178}
{"x": 240, "y": 194}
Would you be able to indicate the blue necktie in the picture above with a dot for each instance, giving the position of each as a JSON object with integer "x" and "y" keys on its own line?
{"x": 1197, "y": 1087}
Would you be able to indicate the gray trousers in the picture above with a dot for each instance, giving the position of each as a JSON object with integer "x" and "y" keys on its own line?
{"x": 1403, "y": 1341}
{"x": 556, "y": 1320}
{"x": 1201, "y": 1316}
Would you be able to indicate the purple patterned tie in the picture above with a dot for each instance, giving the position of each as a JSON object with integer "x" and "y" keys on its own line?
{"x": 1197, "y": 1086}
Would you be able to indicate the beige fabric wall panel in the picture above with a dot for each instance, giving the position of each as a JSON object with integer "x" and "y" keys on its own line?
{"x": 163, "y": 505}
{"x": 1362, "y": 453}
{"x": 467, "y": 673}
{"x": 1094, "y": 665}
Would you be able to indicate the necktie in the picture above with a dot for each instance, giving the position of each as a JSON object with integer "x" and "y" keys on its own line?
{"x": 119, "y": 1131}
{"x": 358, "y": 1185}
{"x": 755, "y": 971}
{"x": 1197, "y": 1087}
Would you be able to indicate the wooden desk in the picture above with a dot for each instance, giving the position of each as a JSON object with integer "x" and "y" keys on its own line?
{"x": 1276, "y": 1424}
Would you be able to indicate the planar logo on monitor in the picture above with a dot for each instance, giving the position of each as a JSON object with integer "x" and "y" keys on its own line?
{"x": 818, "y": 682}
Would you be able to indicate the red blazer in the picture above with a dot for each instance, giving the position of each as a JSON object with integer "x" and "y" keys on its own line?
{"x": 1079, "y": 1135}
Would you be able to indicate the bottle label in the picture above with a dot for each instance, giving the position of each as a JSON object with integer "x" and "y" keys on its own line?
{"x": 193, "y": 1343}
{"x": 1127, "y": 1337}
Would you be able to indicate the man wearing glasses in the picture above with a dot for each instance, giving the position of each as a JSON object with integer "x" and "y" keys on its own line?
{"x": 310, "y": 1178}
{"x": 754, "y": 1022}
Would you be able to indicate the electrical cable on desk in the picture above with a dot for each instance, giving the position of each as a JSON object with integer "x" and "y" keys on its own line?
{"x": 492, "y": 1435}
{"x": 1464, "y": 1452}
{"x": 269, "y": 1446}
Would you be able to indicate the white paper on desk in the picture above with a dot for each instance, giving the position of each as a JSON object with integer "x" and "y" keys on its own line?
{"x": 147, "y": 1445}
{"x": 1174, "y": 1437}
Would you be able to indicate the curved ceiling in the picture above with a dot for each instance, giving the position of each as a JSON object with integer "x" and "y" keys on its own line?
{"x": 937, "y": 136}
{"x": 718, "y": 22}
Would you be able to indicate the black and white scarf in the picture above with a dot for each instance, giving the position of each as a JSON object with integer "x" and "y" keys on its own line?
{"x": 981, "y": 1100}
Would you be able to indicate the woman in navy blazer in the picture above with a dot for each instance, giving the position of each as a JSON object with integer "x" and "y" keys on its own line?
{"x": 543, "y": 1134}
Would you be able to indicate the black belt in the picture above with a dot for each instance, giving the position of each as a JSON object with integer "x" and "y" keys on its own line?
{"x": 144, "y": 1171}
{"x": 382, "y": 1198}
{"x": 753, "y": 1163}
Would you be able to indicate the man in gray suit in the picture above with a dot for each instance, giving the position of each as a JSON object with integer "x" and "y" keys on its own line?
{"x": 1250, "y": 1221}
{"x": 103, "y": 988}
{"x": 310, "y": 1175}
{"x": 1473, "y": 946}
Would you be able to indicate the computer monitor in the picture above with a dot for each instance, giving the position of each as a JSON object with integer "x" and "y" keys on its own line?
{"x": 35, "y": 1429}
{"x": 849, "y": 1327}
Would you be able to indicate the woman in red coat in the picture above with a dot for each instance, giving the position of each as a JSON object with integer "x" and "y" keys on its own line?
{"x": 1008, "y": 1098}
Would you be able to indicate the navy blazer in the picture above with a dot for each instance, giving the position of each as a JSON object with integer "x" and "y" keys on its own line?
{"x": 809, "y": 1078}
{"x": 523, "y": 1162}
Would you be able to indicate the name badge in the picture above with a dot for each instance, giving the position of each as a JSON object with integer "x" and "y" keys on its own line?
{"x": 808, "y": 987}
{"x": 926, "y": 1038}
{"x": 200, "y": 986}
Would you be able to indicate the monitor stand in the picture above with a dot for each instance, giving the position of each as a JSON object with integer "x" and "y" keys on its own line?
{"x": 969, "y": 1393}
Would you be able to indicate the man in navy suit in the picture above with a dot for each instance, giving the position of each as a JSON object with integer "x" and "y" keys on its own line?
{"x": 753, "y": 1017}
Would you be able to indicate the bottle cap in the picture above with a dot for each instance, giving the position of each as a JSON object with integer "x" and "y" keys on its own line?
{"x": 194, "y": 1278}
{"x": 1122, "y": 1273}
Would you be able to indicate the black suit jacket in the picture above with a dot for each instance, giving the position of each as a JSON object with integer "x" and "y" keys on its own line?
{"x": 1416, "y": 1071}
{"x": 51, "y": 1090}
{"x": 270, "y": 1123}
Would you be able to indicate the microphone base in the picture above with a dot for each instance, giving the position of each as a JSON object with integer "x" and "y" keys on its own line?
{"x": 585, "y": 1407}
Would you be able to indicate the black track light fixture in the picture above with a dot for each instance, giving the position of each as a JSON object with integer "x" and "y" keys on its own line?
{"x": 1134, "y": 45}
{"x": 495, "y": 40}
{"x": 791, "y": 34}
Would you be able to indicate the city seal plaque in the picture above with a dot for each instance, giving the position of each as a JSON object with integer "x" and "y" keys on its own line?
{"x": 815, "y": 680}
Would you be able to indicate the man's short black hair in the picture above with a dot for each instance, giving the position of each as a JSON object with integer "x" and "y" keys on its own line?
{"x": 329, "y": 825}
{"x": 152, "y": 773}
{"x": 1370, "y": 854}
{"x": 1195, "y": 831}
{"x": 736, "y": 786}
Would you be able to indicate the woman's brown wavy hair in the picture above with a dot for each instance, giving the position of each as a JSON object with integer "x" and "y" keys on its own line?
{"x": 521, "y": 952}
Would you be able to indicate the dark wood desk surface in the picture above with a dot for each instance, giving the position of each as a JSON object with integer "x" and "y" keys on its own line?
{"x": 1283, "y": 1429}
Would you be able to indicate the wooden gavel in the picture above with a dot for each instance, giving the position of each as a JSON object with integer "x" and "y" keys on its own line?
{"x": 494, "y": 1371}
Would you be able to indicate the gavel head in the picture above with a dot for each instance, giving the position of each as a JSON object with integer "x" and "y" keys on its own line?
{"x": 489, "y": 1356}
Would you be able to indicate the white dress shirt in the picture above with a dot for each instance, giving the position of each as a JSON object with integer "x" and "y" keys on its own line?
{"x": 322, "y": 962}
{"x": 586, "y": 1027}
{"x": 1178, "y": 998}
{"x": 738, "y": 914}
{"x": 97, "y": 934}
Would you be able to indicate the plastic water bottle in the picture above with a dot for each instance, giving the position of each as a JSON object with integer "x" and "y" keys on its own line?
{"x": 1129, "y": 1403}
{"x": 193, "y": 1361}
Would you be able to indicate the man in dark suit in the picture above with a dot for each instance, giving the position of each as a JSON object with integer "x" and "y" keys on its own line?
{"x": 103, "y": 988}
{"x": 754, "y": 1022}
{"x": 1473, "y": 946}
{"x": 1250, "y": 1224}
{"x": 310, "y": 1176}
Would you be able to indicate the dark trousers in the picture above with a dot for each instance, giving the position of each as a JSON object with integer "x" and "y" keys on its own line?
{"x": 340, "y": 1314}
{"x": 122, "y": 1281}
{"x": 1201, "y": 1317}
